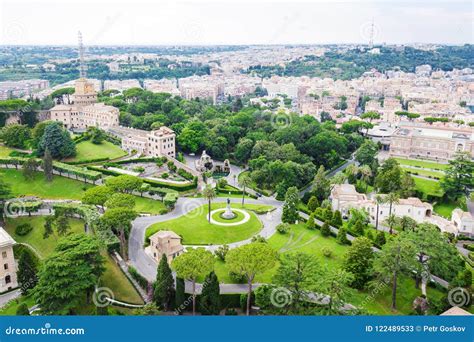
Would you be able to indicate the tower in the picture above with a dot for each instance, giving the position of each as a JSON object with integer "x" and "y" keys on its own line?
{"x": 82, "y": 63}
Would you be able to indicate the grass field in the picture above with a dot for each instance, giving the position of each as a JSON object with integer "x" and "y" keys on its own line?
{"x": 86, "y": 150}
{"x": 422, "y": 163}
{"x": 310, "y": 241}
{"x": 149, "y": 206}
{"x": 445, "y": 208}
{"x": 196, "y": 230}
{"x": 35, "y": 237}
{"x": 59, "y": 188}
{"x": 423, "y": 172}
{"x": 429, "y": 187}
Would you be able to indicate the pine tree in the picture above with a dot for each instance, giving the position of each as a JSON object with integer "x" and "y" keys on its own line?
{"x": 313, "y": 203}
{"x": 48, "y": 226}
{"x": 325, "y": 229}
{"x": 210, "y": 296}
{"x": 342, "y": 236}
{"x": 62, "y": 225}
{"x": 337, "y": 219}
{"x": 22, "y": 310}
{"x": 27, "y": 269}
{"x": 310, "y": 223}
{"x": 358, "y": 261}
{"x": 180, "y": 295}
{"x": 290, "y": 208}
{"x": 48, "y": 166}
{"x": 358, "y": 228}
{"x": 164, "y": 286}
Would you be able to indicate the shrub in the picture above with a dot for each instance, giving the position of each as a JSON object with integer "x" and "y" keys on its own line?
{"x": 313, "y": 203}
{"x": 23, "y": 229}
{"x": 139, "y": 169}
{"x": 164, "y": 175}
{"x": 221, "y": 252}
{"x": 337, "y": 219}
{"x": 325, "y": 229}
{"x": 342, "y": 236}
{"x": 380, "y": 239}
{"x": 138, "y": 277}
{"x": 283, "y": 228}
{"x": 326, "y": 252}
{"x": 310, "y": 224}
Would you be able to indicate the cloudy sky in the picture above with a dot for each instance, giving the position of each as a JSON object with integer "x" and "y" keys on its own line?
{"x": 234, "y": 22}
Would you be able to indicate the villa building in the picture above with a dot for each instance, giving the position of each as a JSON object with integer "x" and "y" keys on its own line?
{"x": 165, "y": 242}
{"x": 344, "y": 197}
{"x": 8, "y": 279}
{"x": 156, "y": 143}
{"x": 84, "y": 111}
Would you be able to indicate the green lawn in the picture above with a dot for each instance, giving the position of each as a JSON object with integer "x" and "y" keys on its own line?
{"x": 35, "y": 237}
{"x": 196, "y": 230}
{"x": 59, "y": 188}
{"x": 114, "y": 279}
{"x": 423, "y": 172}
{"x": 310, "y": 241}
{"x": 12, "y": 306}
{"x": 446, "y": 208}
{"x": 149, "y": 206}
{"x": 429, "y": 187}
{"x": 422, "y": 163}
{"x": 86, "y": 150}
{"x": 253, "y": 185}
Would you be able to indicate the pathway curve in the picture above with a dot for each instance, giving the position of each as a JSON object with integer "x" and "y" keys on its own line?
{"x": 144, "y": 264}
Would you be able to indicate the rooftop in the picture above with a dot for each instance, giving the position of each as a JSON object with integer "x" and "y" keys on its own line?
{"x": 5, "y": 238}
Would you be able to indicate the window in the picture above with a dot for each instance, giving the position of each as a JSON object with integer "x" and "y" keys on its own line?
{"x": 8, "y": 279}
{"x": 4, "y": 255}
{"x": 5, "y": 266}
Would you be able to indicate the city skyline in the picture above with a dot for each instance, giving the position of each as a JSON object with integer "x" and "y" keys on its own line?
{"x": 215, "y": 23}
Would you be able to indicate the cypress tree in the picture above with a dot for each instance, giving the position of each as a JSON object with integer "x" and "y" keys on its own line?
{"x": 310, "y": 223}
{"x": 337, "y": 219}
{"x": 210, "y": 303}
{"x": 380, "y": 239}
{"x": 27, "y": 269}
{"x": 48, "y": 165}
{"x": 325, "y": 229}
{"x": 342, "y": 236}
{"x": 180, "y": 295}
{"x": 164, "y": 285}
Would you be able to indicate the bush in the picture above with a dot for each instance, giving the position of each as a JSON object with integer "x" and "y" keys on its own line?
{"x": 23, "y": 229}
{"x": 342, "y": 236}
{"x": 283, "y": 228}
{"x": 380, "y": 239}
{"x": 221, "y": 252}
{"x": 326, "y": 252}
{"x": 139, "y": 169}
{"x": 310, "y": 224}
{"x": 325, "y": 229}
{"x": 164, "y": 175}
{"x": 230, "y": 312}
{"x": 138, "y": 277}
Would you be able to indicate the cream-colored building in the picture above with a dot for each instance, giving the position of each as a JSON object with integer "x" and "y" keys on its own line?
{"x": 463, "y": 221}
{"x": 157, "y": 143}
{"x": 165, "y": 242}
{"x": 84, "y": 111}
{"x": 435, "y": 143}
{"x": 8, "y": 279}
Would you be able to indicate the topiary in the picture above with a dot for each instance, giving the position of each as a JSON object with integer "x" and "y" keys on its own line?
{"x": 325, "y": 229}
{"x": 23, "y": 229}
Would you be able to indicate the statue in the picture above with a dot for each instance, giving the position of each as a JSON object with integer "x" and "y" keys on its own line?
{"x": 228, "y": 213}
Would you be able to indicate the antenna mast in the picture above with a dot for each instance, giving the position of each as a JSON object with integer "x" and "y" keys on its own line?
{"x": 372, "y": 32}
{"x": 82, "y": 63}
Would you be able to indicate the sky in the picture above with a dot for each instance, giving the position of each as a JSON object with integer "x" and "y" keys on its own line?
{"x": 209, "y": 22}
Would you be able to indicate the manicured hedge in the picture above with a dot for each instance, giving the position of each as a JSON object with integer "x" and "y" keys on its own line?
{"x": 141, "y": 280}
{"x": 77, "y": 171}
{"x": 87, "y": 161}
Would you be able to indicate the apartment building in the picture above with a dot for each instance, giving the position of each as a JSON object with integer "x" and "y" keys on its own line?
{"x": 8, "y": 278}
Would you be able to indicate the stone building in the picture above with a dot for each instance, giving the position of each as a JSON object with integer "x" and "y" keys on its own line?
{"x": 165, "y": 242}
{"x": 84, "y": 111}
{"x": 8, "y": 268}
{"x": 431, "y": 143}
{"x": 157, "y": 143}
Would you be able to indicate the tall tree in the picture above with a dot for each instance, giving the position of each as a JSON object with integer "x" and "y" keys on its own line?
{"x": 396, "y": 258}
{"x": 163, "y": 289}
{"x": 124, "y": 183}
{"x": 120, "y": 221}
{"x": 321, "y": 184}
{"x": 458, "y": 179}
{"x": 358, "y": 261}
{"x": 49, "y": 222}
{"x": 335, "y": 284}
{"x": 192, "y": 264}
{"x": 27, "y": 271}
{"x": 48, "y": 165}
{"x": 58, "y": 141}
{"x": 392, "y": 198}
{"x": 298, "y": 272}
{"x": 290, "y": 207}
{"x": 209, "y": 193}
{"x": 250, "y": 260}
{"x": 97, "y": 195}
{"x": 244, "y": 182}
{"x": 180, "y": 297}
{"x": 29, "y": 168}
{"x": 69, "y": 274}
{"x": 209, "y": 302}
{"x": 5, "y": 194}
{"x": 378, "y": 201}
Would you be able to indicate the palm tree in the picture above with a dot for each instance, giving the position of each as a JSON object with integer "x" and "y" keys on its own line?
{"x": 378, "y": 201}
{"x": 366, "y": 173}
{"x": 351, "y": 171}
{"x": 209, "y": 193}
{"x": 392, "y": 198}
{"x": 244, "y": 182}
